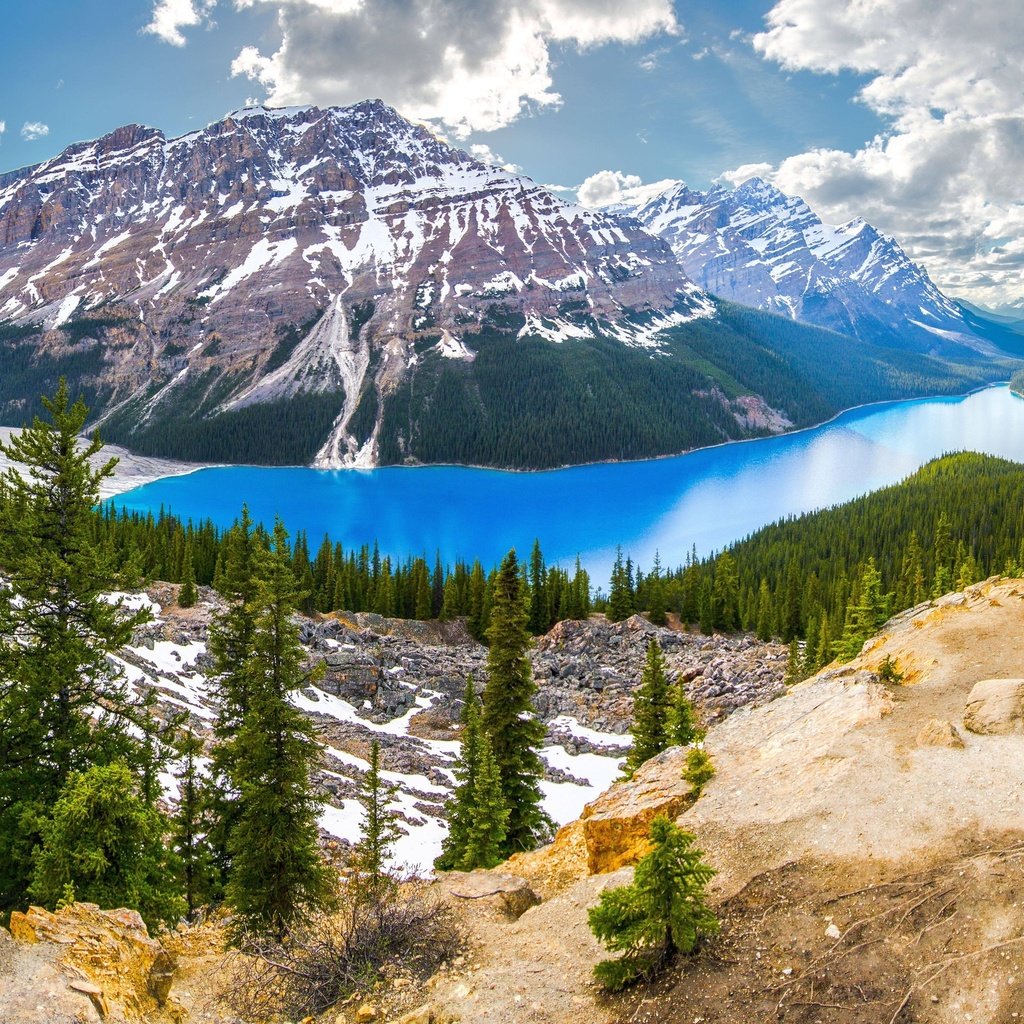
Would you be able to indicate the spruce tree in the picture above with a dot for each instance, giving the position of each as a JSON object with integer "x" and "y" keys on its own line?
{"x": 765, "y": 616}
{"x": 277, "y": 872}
{"x": 620, "y": 595}
{"x": 64, "y": 705}
{"x": 538, "y": 623}
{"x": 682, "y": 721}
{"x": 488, "y": 826}
{"x": 380, "y": 827}
{"x": 866, "y": 613}
{"x": 461, "y": 806}
{"x": 190, "y": 826}
{"x": 649, "y": 727}
{"x": 509, "y": 719}
{"x": 231, "y": 645}
{"x": 106, "y": 840}
{"x": 188, "y": 595}
{"x": 662, "y": 912}
{"x": 794, "y": 664}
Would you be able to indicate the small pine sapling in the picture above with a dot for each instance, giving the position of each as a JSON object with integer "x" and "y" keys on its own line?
{"x": 664, "y": 911}
{"x": 699, "y": 770}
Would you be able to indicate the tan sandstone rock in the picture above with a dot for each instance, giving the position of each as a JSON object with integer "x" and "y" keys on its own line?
{"x": 995, "y": 707}
{"x": 509, "y": 893}
{"x": 939, "y": 733}
{"x": 615, "y": 825}
{"x": 111, "y": 951}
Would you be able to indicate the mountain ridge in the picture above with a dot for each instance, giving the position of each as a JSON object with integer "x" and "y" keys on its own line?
{"x": 758, "y": 246}
{"x": 338, "y": 287}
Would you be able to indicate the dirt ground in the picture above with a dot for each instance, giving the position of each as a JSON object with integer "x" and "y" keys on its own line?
{"x": 863, "y": 878}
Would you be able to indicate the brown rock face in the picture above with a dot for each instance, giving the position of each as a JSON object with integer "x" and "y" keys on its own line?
{"x": 616, "y": 824}
{"x": 116, "y": 961}
{"x": 995, "y": 707}
{"x": 308, "y": 250}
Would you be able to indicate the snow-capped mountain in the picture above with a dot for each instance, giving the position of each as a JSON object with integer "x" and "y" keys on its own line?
{"x": 305, "y": 250}
{"x": 757, "y": 246}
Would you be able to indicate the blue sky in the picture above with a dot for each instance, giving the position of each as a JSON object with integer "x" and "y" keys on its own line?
{"x": 894, "y": 110}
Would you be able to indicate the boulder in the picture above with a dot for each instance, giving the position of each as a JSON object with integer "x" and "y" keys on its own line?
{"x": 510, "y": 893}
{"x": 615, "y": 825}
{"x": 995, "y": 707}
{"x": 939, "y": 733}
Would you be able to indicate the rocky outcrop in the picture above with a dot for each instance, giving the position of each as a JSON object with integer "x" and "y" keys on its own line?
{"x": 939, "y": 733}
{"x": 107, "y": 956}
{"x": 995, "y": 707}
{"x": 616, "y": 825}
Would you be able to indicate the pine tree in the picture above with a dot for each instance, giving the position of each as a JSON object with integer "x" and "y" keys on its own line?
{"x": 620, "y": 595}
{"x": 488, "y": 826}
{"x": 865, "y": 614}
{"x": 105, "y": 839}
{"x": 794, "y": 664}
{"x": 765, "y": 617}
{"x": 538, "y": 622}
{"x": 656, "y": 605}
{"x": 277, "y": 872}
{"x": 649, "y": 727}
{"x": 380, "y": 826}
{"x": 682, "y": 721}
{"x": 188, "y": 595}
{"x": 64, "y": 705}
{"x": 662, "y": 912}
{"x": 190, "y": 825}
{"x": 424, "y": 598}
{"x": 461, "y": 807}
{"x": 726, "y": 593}
{"x": 509, "y": 719}
{"x": 231, "y": 645}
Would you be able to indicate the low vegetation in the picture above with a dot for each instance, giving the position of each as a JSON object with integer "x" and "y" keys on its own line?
{"x": 663, "y": 911}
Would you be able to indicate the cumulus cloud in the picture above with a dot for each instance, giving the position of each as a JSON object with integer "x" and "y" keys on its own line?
{"x": 482, "y": 152}
{"x": 171, "y": 16}
{"x": 943, "y": 177}
{"x": 3, "y": 128}
{"x": 32, "y": 130}
{"x": 474, "y": 66}
{"x": 740, "y": 174}
{"x": 606, "y": 187}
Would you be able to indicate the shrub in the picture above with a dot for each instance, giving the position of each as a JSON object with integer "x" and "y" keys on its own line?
{"x": 382, "y": 931}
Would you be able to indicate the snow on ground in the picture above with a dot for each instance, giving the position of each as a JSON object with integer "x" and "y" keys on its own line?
{"x": 566, "y": 723}
{"x": 171, "y": 669}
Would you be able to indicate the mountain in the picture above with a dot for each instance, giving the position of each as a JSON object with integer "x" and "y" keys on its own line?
{"x": 757, "y": 246}
{"x": 322, "y": 252}
{"x": 340, "y": 287}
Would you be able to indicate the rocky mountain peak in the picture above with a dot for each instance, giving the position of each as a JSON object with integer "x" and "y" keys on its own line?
{"x": 756, "y": 245}
{"x": 312, "y": 250}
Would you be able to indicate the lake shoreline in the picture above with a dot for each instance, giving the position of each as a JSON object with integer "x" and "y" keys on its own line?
{"x": 138, "y": 476}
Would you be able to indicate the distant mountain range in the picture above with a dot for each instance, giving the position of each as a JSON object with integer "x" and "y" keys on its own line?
{"x": 755, "y": 245}
{"x": 340, "y": 287}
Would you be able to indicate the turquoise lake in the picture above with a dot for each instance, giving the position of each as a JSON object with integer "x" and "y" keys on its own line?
{"x": 706, "y": 498}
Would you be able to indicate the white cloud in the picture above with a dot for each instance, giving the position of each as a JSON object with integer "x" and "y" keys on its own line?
{"x": 482, "y": 152}
{"x": 740, "y": 174}
{"x": 944, "y": 176}
{"x": 606, "y": 187}
{"x": 3, "y": 128}
{"x": 171, "y": 16}
{"x": 32, "y": 130}
{"x": 475, "y": 66}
